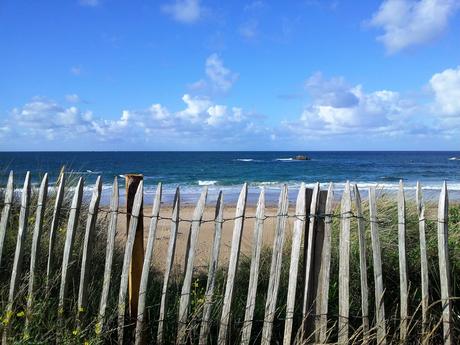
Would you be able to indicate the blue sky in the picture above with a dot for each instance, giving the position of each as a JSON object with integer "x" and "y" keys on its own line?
{"x": 233, "y": 75}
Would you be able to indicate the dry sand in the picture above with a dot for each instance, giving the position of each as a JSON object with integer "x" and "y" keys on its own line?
{"x": 206, "y": 234}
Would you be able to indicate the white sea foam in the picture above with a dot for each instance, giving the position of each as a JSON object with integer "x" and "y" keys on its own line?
{"x": 284, "y": 159}
{"x": 454, "y": 158}
{"x": 206, "y": 182}
{"x": 245, "y": 159}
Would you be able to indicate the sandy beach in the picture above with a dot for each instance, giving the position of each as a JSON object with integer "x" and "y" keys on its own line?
{"x": 206, "y": 234}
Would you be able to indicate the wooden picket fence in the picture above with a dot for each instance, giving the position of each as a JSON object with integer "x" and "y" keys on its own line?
{"x": 311, "y": 240}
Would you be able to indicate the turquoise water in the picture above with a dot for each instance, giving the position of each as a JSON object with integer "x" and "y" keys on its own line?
{"x": 227, "y": 171}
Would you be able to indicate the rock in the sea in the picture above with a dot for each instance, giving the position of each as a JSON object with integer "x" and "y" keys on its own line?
{"x": 301, "y": 158}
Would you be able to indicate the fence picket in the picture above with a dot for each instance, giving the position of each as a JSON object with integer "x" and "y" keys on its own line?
{"x": 254, "y": 270}
{"x": 378, "y": 277}
{"x": 362, "y": 266}
{"x": 112, "y": 230}
{"x": 309, "y": 243}
{"x": 88, "y": 245}
{"x": 423, "y": 260}
{"x": 324, "y": 275}
{"x": 403, "y": 283}
{"x": 70, "y": 236}
{"x": 146, "y": 266}
{"x": 169, "y": 263}
{"x": 54, "y": 227}
{"x": 6, "y": 211}
{"x": 299, "y": 226}
{"x": 344, "y": 265}
{"x": 136, "y": 210}
{"x": 232, "y": 265}
{"x": 275, "y": 268}
{"x": 34, "y": 255}
{"x": 213, "y": 262}
{"x": 444, "y": 266}
{"x": 186, "y": 286}
{"x": 18, "y": 256}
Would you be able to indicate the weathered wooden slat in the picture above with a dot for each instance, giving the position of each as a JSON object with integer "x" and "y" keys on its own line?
{"x": 54, "y": 227}
{"x": 213, "y": 263}
{"x": 275, "y": 268}
{"x": 6, "y": 212}
{"x": 444, "y": 265}
{"x": 169, "y": 264}
{"x": 254, "y": 271}
{"x": 344, "y": 266}
{"x": 135, "y": 270}
{"x": 299, "y": 225}
{"x": 423, "y": 260}
{"x": 309, "y": 254}
{"x": 362, "y": 265}
{"x": 403, "y": 283}
{"x": 112, "y": 230}
{"x": 322, "y": 297}
{"x": 378, "y": 277}
{"x": 232, "y": 265}
{"x": 35, "y": 251}
{"x": 146, "y": 266}
{"x": 88, "y": 245}
{"x": 70, "y": 236}
{"x": 18, "y": 256}
{"x": 186, "y": 286}
{"x": 136, "y": 210}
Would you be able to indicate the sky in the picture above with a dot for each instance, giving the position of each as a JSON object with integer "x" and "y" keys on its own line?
{"x": 229, "y": 75}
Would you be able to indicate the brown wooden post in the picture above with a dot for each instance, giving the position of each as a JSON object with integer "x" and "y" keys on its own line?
{"x": 135, "y": 271}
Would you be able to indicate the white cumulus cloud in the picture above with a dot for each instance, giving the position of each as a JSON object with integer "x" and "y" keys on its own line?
{"x": 221, "y": 77}
{"x": 446, "y": 88}
{"x": 184, "y": 11}
{"x": 408, "y": 23}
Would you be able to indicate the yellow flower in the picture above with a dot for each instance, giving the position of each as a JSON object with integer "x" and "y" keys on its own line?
{"x": 75, "y": 332}
{"x": 20, "y": 314}
{"x": 81, "y": 309}
{"x": 98, "y": 328}
{"x": 86, "y": 342}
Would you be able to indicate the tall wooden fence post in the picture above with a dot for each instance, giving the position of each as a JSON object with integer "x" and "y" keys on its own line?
{"x": 444, "y": 266}
{"x": 135, "y": 270}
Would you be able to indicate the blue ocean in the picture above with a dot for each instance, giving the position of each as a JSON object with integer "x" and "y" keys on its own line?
{"x": 227, "y": 171}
